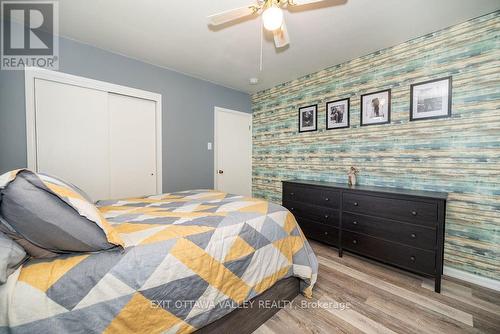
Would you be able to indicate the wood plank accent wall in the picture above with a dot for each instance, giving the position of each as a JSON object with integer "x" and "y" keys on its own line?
{"x": 459, "y": 155}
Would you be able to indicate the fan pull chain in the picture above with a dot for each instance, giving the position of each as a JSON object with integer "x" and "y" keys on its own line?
{"x": 261, "y": 45}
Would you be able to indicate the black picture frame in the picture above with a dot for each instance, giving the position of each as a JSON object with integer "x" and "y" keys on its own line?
{"x": 412, "y": 88}
{"x": 315, "y": 106}
{"x": 388, "y": 121}
{"x": 348, "y": 114}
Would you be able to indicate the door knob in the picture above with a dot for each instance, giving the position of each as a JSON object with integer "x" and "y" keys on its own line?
{"x": 221, "y": 171}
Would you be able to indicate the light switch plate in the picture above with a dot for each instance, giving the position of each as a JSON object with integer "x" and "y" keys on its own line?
{"x": 209, "y": 146}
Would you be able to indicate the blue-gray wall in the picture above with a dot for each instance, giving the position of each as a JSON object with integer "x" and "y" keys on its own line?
{"x": 188, "y": 110}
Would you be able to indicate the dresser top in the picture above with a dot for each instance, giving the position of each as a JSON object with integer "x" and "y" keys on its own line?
{"x": 385, "y": 190}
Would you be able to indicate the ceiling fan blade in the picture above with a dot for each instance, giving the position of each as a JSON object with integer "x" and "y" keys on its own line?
{"x": 231, "y": 15}
{"x": 302, "y": 2}
{"x": 281, "y": 38}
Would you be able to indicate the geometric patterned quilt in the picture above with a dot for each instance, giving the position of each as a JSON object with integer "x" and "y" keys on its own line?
{"x": 190, "y": 258}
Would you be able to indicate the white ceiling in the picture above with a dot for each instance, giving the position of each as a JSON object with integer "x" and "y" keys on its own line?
{"x": 174, "y": 34}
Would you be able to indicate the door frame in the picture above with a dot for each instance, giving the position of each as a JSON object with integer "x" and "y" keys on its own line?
{"x": 218, "y": 110}
{"x": 32, "y": 73}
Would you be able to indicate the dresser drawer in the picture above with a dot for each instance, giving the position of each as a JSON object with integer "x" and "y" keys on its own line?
{"x": 417, "y": 212}
{"x": 311, "y": 195}
{"x": 318, "y": 214}
{"x": 320, "y": 232}
{"x": 408, "y": 234}
{"x": 414, "y": 259}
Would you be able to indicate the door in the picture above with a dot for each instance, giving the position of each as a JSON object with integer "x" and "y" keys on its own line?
{"x": 103, "y": 138}
{"x": 132, "y": 146}
{"x": 71, "y": 135}
{"x": 233, "y": 152}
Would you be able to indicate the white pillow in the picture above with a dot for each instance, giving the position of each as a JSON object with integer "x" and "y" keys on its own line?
{"x": 11, "y": 256}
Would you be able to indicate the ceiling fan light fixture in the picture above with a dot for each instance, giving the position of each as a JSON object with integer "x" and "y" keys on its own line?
{"x": 272, "y": 18}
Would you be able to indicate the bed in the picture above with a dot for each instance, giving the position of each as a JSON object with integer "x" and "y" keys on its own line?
{"x": 190, "y": 259}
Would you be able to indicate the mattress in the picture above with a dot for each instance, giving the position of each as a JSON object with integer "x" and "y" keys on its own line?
{"x": 190, "y": 258}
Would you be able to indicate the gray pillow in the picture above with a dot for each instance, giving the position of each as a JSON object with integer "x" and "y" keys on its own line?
{"x": 50, "y": 215}
{"x": 70, "y": 185}
{"x": 11, "y": 256}
{"x": 31, "y": 249}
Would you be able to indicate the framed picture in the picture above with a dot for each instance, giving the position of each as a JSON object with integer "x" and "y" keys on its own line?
{"x": 337, "y": 114}
{"x": 308, "y": 118}
{"x": 430, "y": 99}
{"x": 376, "y": 108}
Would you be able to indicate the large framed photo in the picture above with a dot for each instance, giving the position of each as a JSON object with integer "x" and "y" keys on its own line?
{"x": 337, "y": 114}
{"x": 430, "y": 99}
{"x": 376, "y": 108}
{"x": 308, "y": 118}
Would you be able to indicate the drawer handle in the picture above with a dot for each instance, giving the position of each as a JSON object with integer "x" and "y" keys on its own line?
{"x": 412, "y": 258}
{"x": 356, "y": 203}
{"x": 326, "y": 233}
{"x": 327, "y": 199}
{"x": 413, "y": 235}
{"x": 291, "y": 194}
{"x": 355, "y": 223}
{"x": 355, "y": 241}
{"x": 414, "y": 213}
{"x": 326, "y": 216}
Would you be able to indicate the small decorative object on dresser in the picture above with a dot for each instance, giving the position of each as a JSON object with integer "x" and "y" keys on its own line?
{"x": 376, "y": 108}
{"x": 400, "y": 227}
{"x": 352, "y": 176}
{"x": 430, "y": 99}
{"x": 308, "y": 118}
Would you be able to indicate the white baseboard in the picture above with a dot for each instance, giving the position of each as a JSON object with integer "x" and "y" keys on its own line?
{"x": 472, "y": 278}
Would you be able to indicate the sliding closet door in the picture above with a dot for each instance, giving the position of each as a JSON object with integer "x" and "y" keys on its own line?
{"x": 72, "y": 134}
{"x": 132, "y": 146}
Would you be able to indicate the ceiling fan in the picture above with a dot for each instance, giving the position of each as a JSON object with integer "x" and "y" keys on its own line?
{"x": 272, "y": 16}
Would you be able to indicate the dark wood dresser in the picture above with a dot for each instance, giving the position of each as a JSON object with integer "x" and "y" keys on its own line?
{"x": 399, "y": 227}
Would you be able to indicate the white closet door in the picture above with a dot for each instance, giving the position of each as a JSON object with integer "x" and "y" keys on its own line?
{"x": 72, "y": 135}
{"x": 132, "y": 146}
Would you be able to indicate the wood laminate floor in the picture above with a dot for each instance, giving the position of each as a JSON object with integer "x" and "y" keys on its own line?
{"x": 355, "y": 295}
